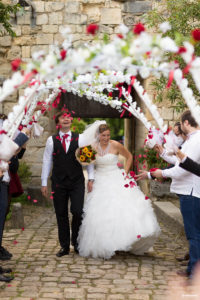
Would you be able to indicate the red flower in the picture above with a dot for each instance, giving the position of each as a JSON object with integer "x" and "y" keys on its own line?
{"x": 126, "y": 185}
{"x": 181, "y": 50}
{"x": 120, "y": 36}
{"x": 132, "y": 184}
{"x": 196, "y": 34}
{"x": 153, "y": 169}
{"x": 150, "y": 136}
{"x": 92, "y": 29}
{"x": 63, "y": 54}
{"x": 146, "y": 198}
{"x": 15, "y": 64}
{"x": 138, "y": 28}
{"x": 110, "y": 94}
{"x": 132, "y": 173}
{"x": 138, "y": 236}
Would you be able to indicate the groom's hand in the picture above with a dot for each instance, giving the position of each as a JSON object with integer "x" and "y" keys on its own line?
{"x": 89, "y": 186}
{"x": 44, "y": 191}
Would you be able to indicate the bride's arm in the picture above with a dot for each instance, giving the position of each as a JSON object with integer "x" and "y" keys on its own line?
{"x": 125, "y": 153}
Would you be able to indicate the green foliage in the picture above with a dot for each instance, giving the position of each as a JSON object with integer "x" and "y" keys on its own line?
{"x": 183, "y": 16}
{"x": 5, "y": 12}
{"x": 151, "y": 158}
{"x": 78, "y": 125}
{"x": 24, "y": 172}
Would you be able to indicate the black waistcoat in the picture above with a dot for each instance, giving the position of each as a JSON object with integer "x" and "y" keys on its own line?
{"x": 66, "y": 169}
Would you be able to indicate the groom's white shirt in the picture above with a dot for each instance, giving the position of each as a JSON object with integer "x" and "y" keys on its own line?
{"x": 48, "y": 153}
{"x": 184, "y": 182}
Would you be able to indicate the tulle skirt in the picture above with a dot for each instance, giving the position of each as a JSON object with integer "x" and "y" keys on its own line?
{"x": 116, "y": 218}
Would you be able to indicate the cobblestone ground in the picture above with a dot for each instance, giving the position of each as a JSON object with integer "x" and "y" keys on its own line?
{"x": 40, "y": 275}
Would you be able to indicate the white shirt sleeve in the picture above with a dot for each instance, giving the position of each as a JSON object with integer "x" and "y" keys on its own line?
{"x": 47, "y": 161}
{"x": 90, "y": 170}
{"x": 171, "y": 159}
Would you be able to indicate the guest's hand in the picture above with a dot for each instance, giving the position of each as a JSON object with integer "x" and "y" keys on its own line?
{"x": 180, "y": 155}
{"x": 89, "y": 186}
{"x": 158, "y": 148}
{"x": 44, "y": 191}
{"x": 26, "y": 131}
{"x": 1, "y": 173}
{"x": 143, "y": 175}
{"x": 157, "y": 173}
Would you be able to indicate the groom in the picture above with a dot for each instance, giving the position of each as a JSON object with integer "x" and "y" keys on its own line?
{"x": 67, "y": 180}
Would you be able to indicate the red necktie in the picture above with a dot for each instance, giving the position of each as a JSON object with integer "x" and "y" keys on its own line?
{"x": 63, "y": 141}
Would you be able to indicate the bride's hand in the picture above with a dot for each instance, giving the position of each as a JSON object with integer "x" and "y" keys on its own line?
{"x": 90, "y": 186}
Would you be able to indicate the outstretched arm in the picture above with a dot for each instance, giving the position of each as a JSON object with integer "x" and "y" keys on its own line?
{"x": 46, "y": 166}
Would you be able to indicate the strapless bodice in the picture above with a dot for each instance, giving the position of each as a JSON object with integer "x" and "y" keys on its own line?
{"x": 108, "y": 162}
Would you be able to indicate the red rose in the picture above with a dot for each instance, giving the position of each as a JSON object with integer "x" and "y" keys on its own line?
{"x": 138, "y": 28}
{"x": 132, "y": 173}
{"x": 63, "y": 54}
{"x": 110, "y": 94}
{"x": 150, "y": 136}
{"x": 196, "y": 34}
{"x": 181, "y": 50}
{"x": 15, "y": 64}
{"x": 120, "y": 36}
{"x": 92, "y": 29}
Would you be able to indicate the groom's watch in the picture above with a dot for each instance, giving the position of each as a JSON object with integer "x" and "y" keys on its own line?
{"x": 91, "y": 180}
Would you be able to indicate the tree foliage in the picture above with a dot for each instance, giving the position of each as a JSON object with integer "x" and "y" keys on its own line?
{"x": 183, "y": 16}
{"x": 6, "y": 11}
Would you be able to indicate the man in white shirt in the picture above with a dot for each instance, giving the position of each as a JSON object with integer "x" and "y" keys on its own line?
{"x": 67, "y": 180}
{"x": 187, "y": 186}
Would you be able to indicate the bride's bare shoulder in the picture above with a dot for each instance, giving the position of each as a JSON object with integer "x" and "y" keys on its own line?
{"x": 114, "y": 144}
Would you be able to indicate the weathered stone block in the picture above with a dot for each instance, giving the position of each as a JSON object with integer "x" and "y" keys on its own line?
{"x": 53, "y": 6}
{"x": 50, "y": 28}
{"x": 42, "y": 19}
{"x": 72, "y": 7}
{"x": 5, "y": 41}
{"x": 30, "y": 30}
{"x": 7, "y": 106}
{"x": 105, "y": 29}
{"x": 44, "y": 39}
{"x": 17, "y": 30}
{"x": 24, "y": 19}
{"x": 56, "y": 18}
{"x": 75, "y": 19}
{"x": 59, "y": 38}
{"x": 71, "y": 27}
{"x": 24, "y": 40}
{"x": 110, "y": 16}
{"x": 39, "y": 6}
{"x": 93, "y": 14}
{"x": 14, "y": 52}
{"x": 129, "y": 20}
{"x": 137, "y": 7}
{"x": 26, "y": 51}
{"x": 39, "y": 48}
{"x": 167, "y": 113}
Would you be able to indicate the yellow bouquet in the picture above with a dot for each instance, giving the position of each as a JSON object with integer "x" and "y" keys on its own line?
{"x": 86, "y": 155}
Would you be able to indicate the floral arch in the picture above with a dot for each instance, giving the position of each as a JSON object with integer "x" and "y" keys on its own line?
{"x": 102, "y": 66}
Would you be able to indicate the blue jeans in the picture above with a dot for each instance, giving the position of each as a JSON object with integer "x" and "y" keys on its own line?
{"x": 190, "y": 209}
{"x": 3, "y": 207}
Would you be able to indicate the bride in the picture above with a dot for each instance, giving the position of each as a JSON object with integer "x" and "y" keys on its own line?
{"x": 117, "y": 216}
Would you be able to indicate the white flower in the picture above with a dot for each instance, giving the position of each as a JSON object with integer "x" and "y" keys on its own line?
{"x": 165, "y": 26}
{"x": 123, "y": 29}
{"x": 167, "y": 44}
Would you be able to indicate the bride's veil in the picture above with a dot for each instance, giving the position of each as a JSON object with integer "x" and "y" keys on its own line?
{"x": 90, "y": 134}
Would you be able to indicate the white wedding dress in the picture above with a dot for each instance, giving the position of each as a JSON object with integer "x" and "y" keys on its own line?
{"x": 115, "y": 218}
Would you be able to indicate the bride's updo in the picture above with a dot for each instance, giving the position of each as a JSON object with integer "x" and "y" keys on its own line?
{"x": 103, "y": 127}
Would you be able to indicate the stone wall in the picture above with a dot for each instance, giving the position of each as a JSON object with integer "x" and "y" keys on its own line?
{"x": 38, "y": 30}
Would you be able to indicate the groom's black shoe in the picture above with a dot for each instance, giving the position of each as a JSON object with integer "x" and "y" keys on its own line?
{"x": 6, "y": 278}
{"x": 62, "y": 252}
{"x": 76, "y": 249}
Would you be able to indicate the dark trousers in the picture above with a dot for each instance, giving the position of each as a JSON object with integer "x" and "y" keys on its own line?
{"x": 3, "y": 207}
{"x": 61, "y": 196}
{"x": 190, "y": 209}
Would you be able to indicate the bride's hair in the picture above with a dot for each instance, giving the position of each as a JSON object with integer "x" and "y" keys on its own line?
{"x": 103, "y": 127}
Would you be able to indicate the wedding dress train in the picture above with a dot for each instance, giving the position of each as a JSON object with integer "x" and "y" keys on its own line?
{"x": 115, "y": 217}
